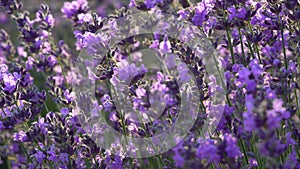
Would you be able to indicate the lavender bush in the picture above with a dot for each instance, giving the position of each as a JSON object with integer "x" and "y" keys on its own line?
{"x": 251, "y": 99}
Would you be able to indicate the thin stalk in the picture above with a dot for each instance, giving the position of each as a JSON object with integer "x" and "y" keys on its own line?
{"x": 222, "y": 81}
{"x": 230, "y": 45}
{"x": 244, "y": 151}
{"x": 250, "y": 48}
{"x": 257, "y": 51}
{"x": 26, "y": 152}
{"x": 283, "y": 44}
{"x": 255, "y": 46}
{"x": 297, "y": 102}
{"x": 242, "y": 46}
{"x": 284, "y": 52}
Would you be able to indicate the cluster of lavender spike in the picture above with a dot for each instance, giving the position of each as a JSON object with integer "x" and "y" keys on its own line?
{"x": 258, "y": 44}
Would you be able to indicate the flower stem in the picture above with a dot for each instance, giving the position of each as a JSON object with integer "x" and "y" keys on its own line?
{"x": 242, "y": 46}
{"x": 255, "y": 46}
{"x": 244, "y": 151}
{"x": 230, "y": 45}
{"x": 283, "y": 44}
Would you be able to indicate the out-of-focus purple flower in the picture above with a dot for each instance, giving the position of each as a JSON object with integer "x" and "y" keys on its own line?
{"x": 151, "y": 3}
{"x": 140, "y": 92}
{"x": 165, "y": 45}
{"x": 107, "y": 105}
{"x": 50, "y": 20}
{"x": 10, "y": 82}
{"x": 232, "y": 149}
{"x": 274, "y": 119}
{"x": 125, "y": 73}
{"x": 3, "y": 18}
{"x": 207, "y": 150}
{"x": 71, "y": 8}
{"x": 179, "y": 160}
{"x": 251, "y": 85}
{"x": 278, "y": 106}
{"x": 132, "y": 3}
{"x": 21, "y": 52}
{"x": 210, "y": 24}
{"x": 292, "y": 67}
{"x": 183, "y": 73}
{"x": 40, "y": 156}
{"x": 52, "y": 154}
{"x": 253, "y": 162}
{"x": 80, "y": 163}
{"x": 292, "y": 160}
{"x": 201, "y": 12}
{"x": 85, "y": 18}
{"x": 240, "y": 13}
{"x": 42, "y": 125}
{"x": 244, "y": 74}
{"x": 20, "y": 136}
{"x": 51, "y": 60}
{"x": 170, "y": 61}
{"x": 73, "y": 78}
{"x": 255, "y": 68}
{"x": 183, "y": 14}
{"x": 95, "y": 44}
{"x": 289, "y": 139}
{"x": 64, "y": 157}
{"x": 270, "y": 94}
{"x": 154, "y": 44}
{"x": 1, "y": 126}
{"x": 249, "y": 122}
{"x": 64, "y": 111}
{"x": 199, "y": 18}
{"x": 70, "y": 96}
{"x": 276, "y": 62}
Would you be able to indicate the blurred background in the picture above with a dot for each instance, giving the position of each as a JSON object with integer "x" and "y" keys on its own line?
{"x": 63, "y": 27}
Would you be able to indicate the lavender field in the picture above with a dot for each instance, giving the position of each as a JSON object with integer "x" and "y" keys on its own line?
{"x": 150, "y": 84}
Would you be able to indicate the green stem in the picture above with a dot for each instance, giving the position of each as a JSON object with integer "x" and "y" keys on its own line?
{"x": 296, "y": 96}
{"x": 122, "y": 114}
{"x": 244, "y": 151}
{"x": 250, "y": 48}
{"x": 242, "y": 46}
{"x": 283, "y": 45}
{"x": 257, "y": 51}
{"x": 26, "y": 152}
{"x": 230, "y": 45}
{"x": 255, "y": 46}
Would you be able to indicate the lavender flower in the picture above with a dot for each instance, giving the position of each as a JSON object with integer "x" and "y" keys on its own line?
{"x": 259, "y": 127}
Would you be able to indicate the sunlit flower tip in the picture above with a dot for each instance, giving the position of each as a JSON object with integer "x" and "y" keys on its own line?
{"x": 70, "y": 96}
{"x": 140, "y": 92}
{"x": 132, "y": 3}
{"x": 50, "y": 20}
{"x": 183, "y": 14}
{"x": 85, "y": 18}
{"x": 165, "y": 45}
{"x": 20, "y": 136}
{"x": 154, "y": 44}
{"x": 253, "y": 162}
